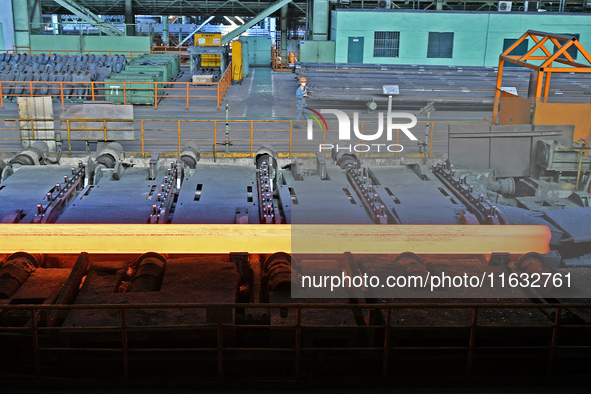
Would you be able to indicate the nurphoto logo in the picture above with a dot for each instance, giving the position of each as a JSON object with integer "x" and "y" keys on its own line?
{"x": 345, "y": 130}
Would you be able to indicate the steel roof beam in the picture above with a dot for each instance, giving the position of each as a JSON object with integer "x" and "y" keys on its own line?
{"x": 90, "y": 17}
{"x": 236, "y": 32}
{"x": 196, "y": 30}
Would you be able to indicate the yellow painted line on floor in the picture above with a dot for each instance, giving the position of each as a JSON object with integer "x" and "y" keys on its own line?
{"x": 265, "y": 239}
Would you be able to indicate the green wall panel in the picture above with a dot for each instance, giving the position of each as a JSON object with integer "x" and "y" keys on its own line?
{"x": 320, "y": 20}
{"x": 259, "y": 50}
{"x": 90, "y": 43}
{"x": 317, "y": 51}
{"x": 478, "y": 36}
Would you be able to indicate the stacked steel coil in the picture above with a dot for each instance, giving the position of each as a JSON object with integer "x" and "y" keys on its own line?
{"x": 55, "y": 68}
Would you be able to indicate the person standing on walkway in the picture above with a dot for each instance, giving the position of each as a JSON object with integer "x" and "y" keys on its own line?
{"x": 301, "y": 94}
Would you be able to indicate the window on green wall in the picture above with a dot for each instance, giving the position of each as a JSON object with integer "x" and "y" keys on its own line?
{"x": 520, "y": 50}
{"x": 441, "y": 45}
{"x": 386, "y": 43}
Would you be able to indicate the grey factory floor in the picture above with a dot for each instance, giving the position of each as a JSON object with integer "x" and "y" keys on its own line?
{"x": 263, "y": 95}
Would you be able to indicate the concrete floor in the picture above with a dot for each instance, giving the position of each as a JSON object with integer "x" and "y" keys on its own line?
{"x": 263, "y": 95}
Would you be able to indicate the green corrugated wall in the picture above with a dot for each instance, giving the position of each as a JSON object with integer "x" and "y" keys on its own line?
{"x": 90, "y": 43}
{"x": 478, "y": 36}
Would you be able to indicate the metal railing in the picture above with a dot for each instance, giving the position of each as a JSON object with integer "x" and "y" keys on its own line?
{"x": 283, "y": 60}
{"x": 116, "y": 91}
{"x": 244, "y": 137}
{"x": 380, "y": 340}
{"x": 127, "y": 54}
{"x": 182, "y": 51}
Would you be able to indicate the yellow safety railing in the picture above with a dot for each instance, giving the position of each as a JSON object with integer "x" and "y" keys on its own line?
{"x": 284, "y": 60}
{"x": 116, "y": 91}
{"x": 244, "y": 137}
{"x": 182, "y": 51}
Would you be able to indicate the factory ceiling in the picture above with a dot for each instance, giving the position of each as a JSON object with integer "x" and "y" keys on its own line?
{"x": 174, "y": 7}
{"x": 297, "y": 7}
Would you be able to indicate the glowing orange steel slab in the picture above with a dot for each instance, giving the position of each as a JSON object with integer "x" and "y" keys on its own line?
{"x": 256, "y": 238}
{"x": 421, "y": 239}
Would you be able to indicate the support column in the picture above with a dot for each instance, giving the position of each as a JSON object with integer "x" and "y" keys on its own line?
{"x": 7, "y": 26}
{"x": 129, "y": 19}
{"x": 35, "y": 21}
{"x": 439, "y": 6}
{"x": 20, "y": 17}
{"x": 55, "y": 22}
{"x": 165, "y": 36}
{"x": 284, "y": 28}
{"x": 320, "y": 20}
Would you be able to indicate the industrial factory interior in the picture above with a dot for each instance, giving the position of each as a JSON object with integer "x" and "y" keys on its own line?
{"x": 351, "y": 195}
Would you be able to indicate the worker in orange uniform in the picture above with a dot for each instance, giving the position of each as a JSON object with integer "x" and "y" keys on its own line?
{"x": 301, "y": 94}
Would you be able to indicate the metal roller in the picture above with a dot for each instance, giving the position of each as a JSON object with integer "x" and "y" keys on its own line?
{"x": 150, "y": 270}
{"x": 14, "y": 273}
{"x": 265, "y": 153}
{"x": 111, "y": 154}
{"x": 34, "y": 155}
{"x": 190, "y": 155}
{"x": 412, "y": 264}
{"x": 276, "y": 275}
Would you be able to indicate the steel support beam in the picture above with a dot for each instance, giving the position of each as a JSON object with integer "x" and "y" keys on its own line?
{"x": 165, "y": 35}
{"x": 90, "y": 17}
{"x": 284, "y": 28}
{"x": 129, "y": 19}
{"x": 273, "y": 8}
{"x": 194, "y": 31}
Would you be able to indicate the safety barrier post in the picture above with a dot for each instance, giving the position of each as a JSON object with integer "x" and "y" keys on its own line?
{"x": 179, "y": 131}
{"x": 1, "y": 97}
{"x": 220, "y": 350}
{"x": 472, "y": 341}
{"x": 554, "y": 342}
{"x": 298, "y": 341}
{"x": 431, "y": 139}
{"x": 155, "y": 95}
{"x": 215, "y": 137}
{"x": 290, "y": 137}
{"x": 92, "y": 85}
{"x": 218, "y": 91}
{"x": 124, "y": 94}
{"x": 124, "y": 344}
{"x": 251, "y": 136}
{"x": 62, "y": 92}
{"x": 142, "y": 131}
{"x": 187, "y": 95}
{"x": 68, "y": 127}
{"x": 31, "y": 88}
{"x": 105, "y": 128}
{"x": 35, "y": 338}
{"x": 386, "y": 343}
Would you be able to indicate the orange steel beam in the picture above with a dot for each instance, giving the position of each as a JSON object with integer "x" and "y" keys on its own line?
{"x": 567, "y": 44}
{"x": 562, "y": 44}
{"x": 566, "y": 70}
{"x": 543, "y": 48}
{"x": 265, "y": 239}
{"x": 538, "y": 45}
{"x": 555, "y": 55}
{"x": 519, "y": 62}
